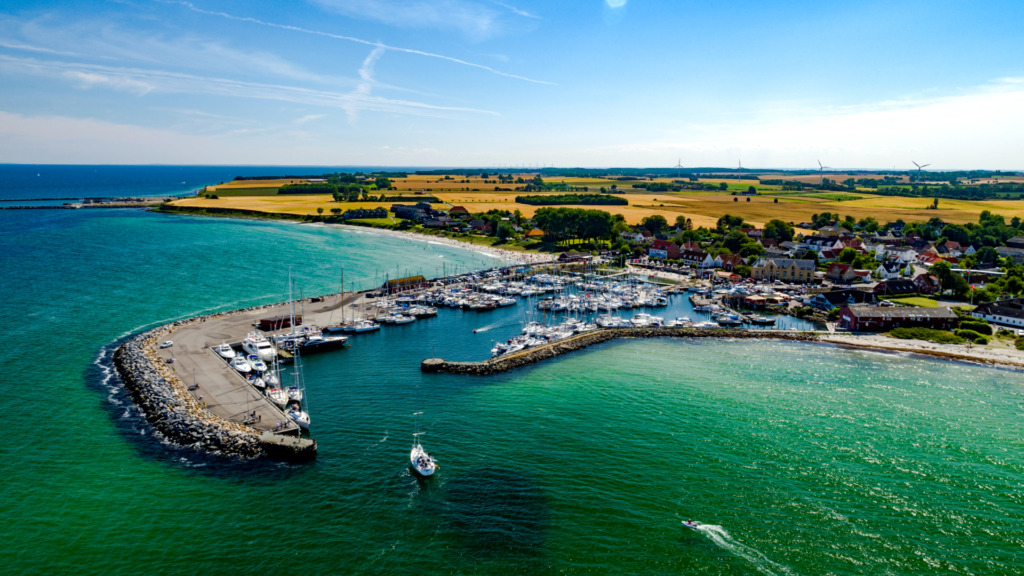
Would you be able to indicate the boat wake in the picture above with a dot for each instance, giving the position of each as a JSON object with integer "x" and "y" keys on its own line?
{"x": 723, "y": 540}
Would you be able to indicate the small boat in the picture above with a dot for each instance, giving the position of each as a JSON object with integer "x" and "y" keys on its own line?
{"x": 762, "y": 320}
{"x": 422, "y": 462}
{"x": 365, "y": 326}
{"x": 691, "y": 524}
{"x": 294, "y": 393}
{"x": 258, "y": 382}
{"x": 167, "y": 344}
{"x": 299, "y": 416}
{"x": 257, "y": 364}
{"x": 225, "y": 351}
{"x": 241, "y": 364}
{"x": 278, "y": 396}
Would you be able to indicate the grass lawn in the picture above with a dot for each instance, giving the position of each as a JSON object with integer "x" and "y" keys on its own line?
{"x": 915, "y": 301}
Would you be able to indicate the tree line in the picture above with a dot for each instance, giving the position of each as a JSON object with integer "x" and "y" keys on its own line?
{"x": 580, "y": 199}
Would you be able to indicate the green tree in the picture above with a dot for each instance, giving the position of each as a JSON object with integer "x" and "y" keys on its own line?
{"x": 727, "y": 222}
{"x": 684, "y": 223}
{"x": 655, "y": 223}
{"x": 320, "y": 210}
{"x": 848, "y": 255}
{"x": 779, "y": 231}
{"x": 723, "y": 186}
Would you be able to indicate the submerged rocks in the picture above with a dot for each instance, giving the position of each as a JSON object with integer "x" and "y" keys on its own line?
{"x": 531, "y": 355}
{"x": 169, "y": 407}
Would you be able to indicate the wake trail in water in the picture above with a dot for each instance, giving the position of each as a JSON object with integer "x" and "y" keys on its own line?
{"x": 762, "y": 563}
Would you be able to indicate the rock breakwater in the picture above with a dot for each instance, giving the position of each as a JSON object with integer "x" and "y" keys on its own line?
{"x": 532, "y": 355}
{"x": 171, "y": 409}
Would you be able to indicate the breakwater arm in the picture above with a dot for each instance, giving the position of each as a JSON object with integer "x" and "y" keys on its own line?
{"x": 536, "y": 354}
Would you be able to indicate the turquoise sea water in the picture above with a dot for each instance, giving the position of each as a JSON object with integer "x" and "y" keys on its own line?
{"x": 800, "y": 459}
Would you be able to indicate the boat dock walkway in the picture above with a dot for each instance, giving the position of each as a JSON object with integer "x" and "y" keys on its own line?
{"x": 214, "y": 383}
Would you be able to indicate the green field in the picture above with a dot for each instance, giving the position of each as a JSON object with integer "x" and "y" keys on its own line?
{"x": 914, "y": 301}
{"x": 263, "y": 191}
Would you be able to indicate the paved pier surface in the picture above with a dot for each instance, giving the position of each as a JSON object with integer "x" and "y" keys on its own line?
{"x": 224, "y": 391}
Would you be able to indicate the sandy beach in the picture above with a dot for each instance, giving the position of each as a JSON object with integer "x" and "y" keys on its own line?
{"x": 505, "y": 255}
{"x": 1004, "y": 357}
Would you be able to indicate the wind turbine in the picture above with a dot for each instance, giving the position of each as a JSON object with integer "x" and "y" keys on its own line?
{"x": 821, "y": 173}
{"x": 919, "y": 167}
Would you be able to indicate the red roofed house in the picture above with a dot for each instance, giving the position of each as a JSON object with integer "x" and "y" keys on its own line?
{"x": 663, "y": 249}
{"x": 926, "y": 283}
{"x": 839, "y": 272}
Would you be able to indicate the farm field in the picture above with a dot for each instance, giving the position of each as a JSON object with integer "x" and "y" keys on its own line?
{"x": 703, "y": 208}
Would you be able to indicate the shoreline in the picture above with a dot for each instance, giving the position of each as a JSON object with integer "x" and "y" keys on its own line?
{"x": 521, "y": 257}
{"x": 1006, "y": 358}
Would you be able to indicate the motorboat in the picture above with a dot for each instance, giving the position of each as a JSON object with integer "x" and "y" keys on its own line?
{"x": 257, "y": 364}
{"x": 728, "y": 320}
{"x": 299, "y": 416}
{"x": 258, "y": 382}
{"x": 278, "y": 396}
{"x": 225, "y": 351}
{"x": 762, "y": 320}
{"x": 256, "y": 343}
{"x": 241, "y": 364}
{"x": 691, "y": 525}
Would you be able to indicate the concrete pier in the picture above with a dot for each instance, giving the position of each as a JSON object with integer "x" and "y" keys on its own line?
{"x": 578, "y": 342}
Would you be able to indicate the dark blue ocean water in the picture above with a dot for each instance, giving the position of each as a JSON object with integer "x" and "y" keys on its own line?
{"x": 35, "y": 181}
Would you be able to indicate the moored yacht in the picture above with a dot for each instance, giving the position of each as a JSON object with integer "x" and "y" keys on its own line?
{"x": 256, "y": 343}
{"x": 225, "y": 351}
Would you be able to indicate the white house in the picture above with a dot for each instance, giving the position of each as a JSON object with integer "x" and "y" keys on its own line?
{"x": 888, "y": 270}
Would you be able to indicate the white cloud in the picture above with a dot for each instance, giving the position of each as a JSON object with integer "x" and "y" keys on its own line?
{"x": 175, "y": 82}
{"x": 423, "y": 53}
{"x": 309, "y": 118}
{"x": 91, "y": 80}
{"x": 979, "y": 129}
{"x": 472, "y": 19}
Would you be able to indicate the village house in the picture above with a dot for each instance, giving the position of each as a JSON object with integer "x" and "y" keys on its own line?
{"x": 880, "y": 319}
{"x": 926, "y": 283}
{"x": 693, "y": 257}
{"x": 631, "y": 237}
{"x": 663, "y": 249}
{"x": 458, "y": 212}
{"x": 888, "y": 270}
{"x": 1017, "y": 254}
{"x": 729, "y": 261}
{"x": 786, "y": 269}
{"x": 840, "y": 273}
{"x": 840, "y": 298}
{"x": 832, "y": 231}
{"x": 895, "y": 287}
{"x": 1007, "y": 312}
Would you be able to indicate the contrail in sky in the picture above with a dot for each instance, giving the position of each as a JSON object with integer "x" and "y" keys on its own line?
{"x": 192, "y": 7}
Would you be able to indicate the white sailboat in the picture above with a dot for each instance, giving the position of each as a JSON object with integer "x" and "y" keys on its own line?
{"x": 422, "y": 462}
{"x": 295, "y": 393}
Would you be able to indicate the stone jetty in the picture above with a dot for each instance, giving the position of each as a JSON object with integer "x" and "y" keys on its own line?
{"x": 177, "y": 413}
{"x": 536, "y": 354}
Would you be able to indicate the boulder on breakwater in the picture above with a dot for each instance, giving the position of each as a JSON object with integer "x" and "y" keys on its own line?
{"x": 170, "y": 409}
{"x": 532, "y": 355}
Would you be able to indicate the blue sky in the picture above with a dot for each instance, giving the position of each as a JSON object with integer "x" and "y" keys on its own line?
{"x": 517, "y": 83}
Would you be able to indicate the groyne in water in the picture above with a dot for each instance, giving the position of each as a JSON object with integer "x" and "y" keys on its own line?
{"x": 536, "y": 354}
